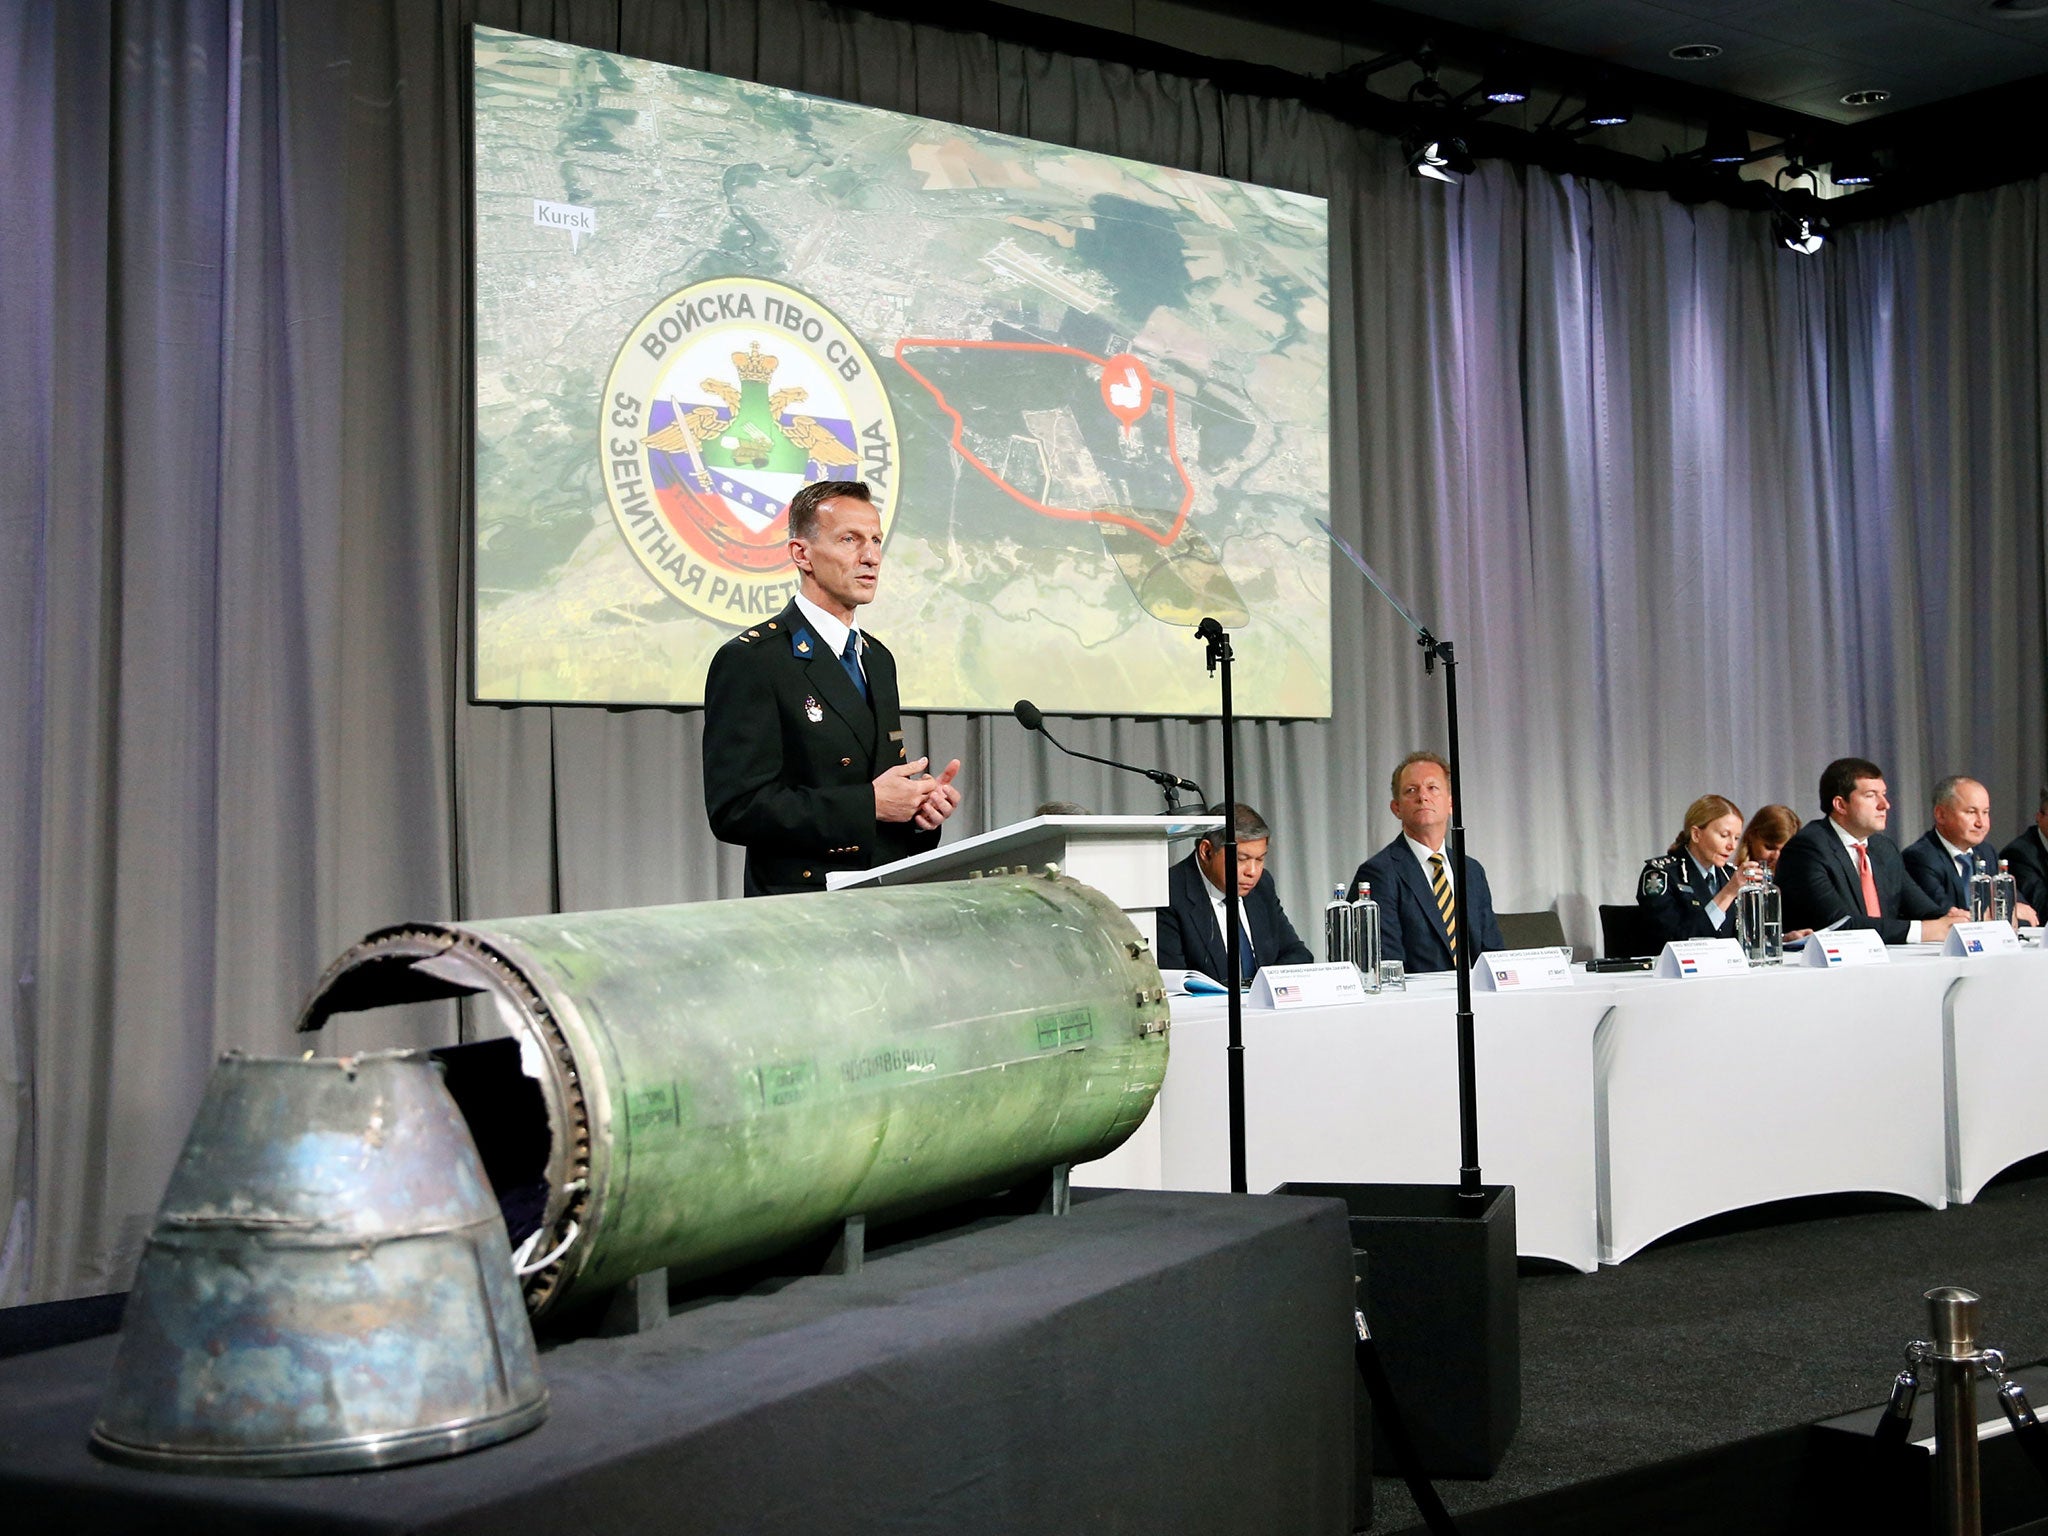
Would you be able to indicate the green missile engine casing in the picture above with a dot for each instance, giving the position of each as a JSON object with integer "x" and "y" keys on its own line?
{"x": 722, "y": 1080}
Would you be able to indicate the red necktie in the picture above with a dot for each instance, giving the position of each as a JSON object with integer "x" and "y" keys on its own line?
{"x": 1870, "y": 906}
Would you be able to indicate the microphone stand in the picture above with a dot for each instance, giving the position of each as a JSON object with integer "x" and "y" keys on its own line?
{"x": 1433, "y": 651}
{"x": 1171, "y": 785}
{"x": 1219, "y": 654}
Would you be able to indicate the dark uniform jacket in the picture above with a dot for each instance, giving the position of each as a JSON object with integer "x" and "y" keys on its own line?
{"x": 1817, "y": 874}
{"x": 1411, "y": 928}
{"x": 1673, "y": 897}
{"x": 2029, "y": 859}
{"x": 1190, "y": 940}
{"x": 791, "y": 752}
{"x": 1936, "y": 873}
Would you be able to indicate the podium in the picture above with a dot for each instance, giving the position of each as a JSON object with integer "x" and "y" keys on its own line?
{"x": 1124, "y": 857}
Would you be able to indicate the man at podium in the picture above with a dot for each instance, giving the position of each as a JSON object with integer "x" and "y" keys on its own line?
{"x": 804, "y": 761}
{"x": 1191, "y": 931}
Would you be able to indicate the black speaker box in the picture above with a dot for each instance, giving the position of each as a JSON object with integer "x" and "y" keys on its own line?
{"x": 1443, "y": 1310}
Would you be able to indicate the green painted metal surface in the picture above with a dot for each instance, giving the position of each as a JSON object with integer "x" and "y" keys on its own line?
{"x": 724, "y": 1079}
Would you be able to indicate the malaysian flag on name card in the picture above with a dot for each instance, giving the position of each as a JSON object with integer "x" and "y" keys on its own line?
{"x": 1509, "y": 978}
{"x": 1286, "y": 992}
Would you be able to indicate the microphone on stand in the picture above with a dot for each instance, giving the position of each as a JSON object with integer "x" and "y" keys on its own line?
{"x": 1172, "y": 785}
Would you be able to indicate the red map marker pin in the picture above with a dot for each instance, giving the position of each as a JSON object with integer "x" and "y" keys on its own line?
{"x": 1126, "y": 389}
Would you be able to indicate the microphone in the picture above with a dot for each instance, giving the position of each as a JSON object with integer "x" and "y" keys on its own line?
{"x": 1033, "y": 719}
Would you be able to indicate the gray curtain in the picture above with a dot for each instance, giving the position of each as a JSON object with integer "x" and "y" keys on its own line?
{"x": 1698, "y": 513}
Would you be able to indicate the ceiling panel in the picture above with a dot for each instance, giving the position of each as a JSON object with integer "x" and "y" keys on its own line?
{"x": 1795, "y": 53}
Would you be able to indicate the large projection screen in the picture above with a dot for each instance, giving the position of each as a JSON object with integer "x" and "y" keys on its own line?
{"x": 1090, "y": 396}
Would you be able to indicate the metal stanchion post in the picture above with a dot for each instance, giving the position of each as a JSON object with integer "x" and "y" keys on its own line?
{"x": 1953, "y": 1319}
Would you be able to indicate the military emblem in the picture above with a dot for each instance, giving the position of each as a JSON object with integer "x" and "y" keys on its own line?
{"x": 813, "y": 710}
{"x": 724, "y": 399}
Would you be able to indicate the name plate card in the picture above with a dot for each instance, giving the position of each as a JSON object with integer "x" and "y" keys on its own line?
{"x": 1524, "y": 970}
{"x": 1702, "y": 957}
{"x": 1980, "y": 939}
{"x": 1307, "y": 986}
{"x": 1847, "y": 946}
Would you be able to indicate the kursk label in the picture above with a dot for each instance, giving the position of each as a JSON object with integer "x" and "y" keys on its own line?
{"x": 724, "y": 399}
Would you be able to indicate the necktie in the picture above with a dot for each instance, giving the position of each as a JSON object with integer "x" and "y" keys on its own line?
{"x": 1870, "y": 906}
{"x": 1247, "y": 952}
{"x": 1716, "y": 878}
{"x": 850, "y": 659}
{"x": 1963, "y": 869}
{"x": 1440, "y": 887}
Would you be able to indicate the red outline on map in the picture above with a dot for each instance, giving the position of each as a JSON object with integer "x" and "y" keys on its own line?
{"x": 1067, "y": 514}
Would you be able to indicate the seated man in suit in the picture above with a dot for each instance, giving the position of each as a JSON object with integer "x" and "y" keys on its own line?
{"x": 1191, "y": 931}
{"x": 2028, "y": 856}
{"x": 1844, "y": 867}
{"x": 1412, "y": 879}
{"x": 1942, "y": 861}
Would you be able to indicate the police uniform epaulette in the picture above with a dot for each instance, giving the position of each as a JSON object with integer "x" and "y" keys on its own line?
{"x": 1656, "y": 876}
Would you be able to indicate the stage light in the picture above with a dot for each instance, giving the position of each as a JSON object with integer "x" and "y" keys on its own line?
{"x": 1854, "y": 168}
{"x": 1727, "y": 144}
{"x": 1436, "y": 157}
{"x": 1798, "y": 233}
{"x": 1505, "y": 89}
{"x": 1796, "y": 219}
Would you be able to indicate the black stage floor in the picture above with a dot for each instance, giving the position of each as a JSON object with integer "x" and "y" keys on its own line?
{"x": 1738, "y": 1327}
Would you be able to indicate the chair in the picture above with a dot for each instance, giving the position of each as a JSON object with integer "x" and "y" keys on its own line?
{"x": 1622, "y": 932}
{"x": 1531, "y": 930}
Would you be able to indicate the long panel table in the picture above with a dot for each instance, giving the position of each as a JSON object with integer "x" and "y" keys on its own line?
{"x": 1995, "y": 1048}
{"x": 1723, "y": 1092}
{"x": 1624, "y": 1108}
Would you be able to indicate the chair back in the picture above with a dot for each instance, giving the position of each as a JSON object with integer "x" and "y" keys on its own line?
{"x": 1622, "y": 932}
{"x": 1531, "y": 930}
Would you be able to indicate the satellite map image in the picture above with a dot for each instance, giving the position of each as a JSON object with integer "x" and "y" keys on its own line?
{"x": 1089, "y": 395}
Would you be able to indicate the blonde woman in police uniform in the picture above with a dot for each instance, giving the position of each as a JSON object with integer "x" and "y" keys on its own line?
{"x": 1689, "y": 891}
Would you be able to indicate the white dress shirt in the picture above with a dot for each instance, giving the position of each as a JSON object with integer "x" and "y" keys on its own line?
{"x": 831, "y": 631}
{"x": 1852, "y": 844}
{"x": 1424, "y": 853}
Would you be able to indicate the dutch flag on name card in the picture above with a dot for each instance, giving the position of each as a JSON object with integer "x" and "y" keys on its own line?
{"x": 1687, "y": 966}
{"x": 1833, "y": 952}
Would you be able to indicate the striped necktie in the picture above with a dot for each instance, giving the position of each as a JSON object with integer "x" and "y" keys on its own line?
{"x": 1440, "y": 886}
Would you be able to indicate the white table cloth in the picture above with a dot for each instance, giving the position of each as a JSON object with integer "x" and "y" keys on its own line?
{"x": 1368, "y": 1093}
{"x": 1624, "y": 1108}
{"x": 1995, "y": 1042}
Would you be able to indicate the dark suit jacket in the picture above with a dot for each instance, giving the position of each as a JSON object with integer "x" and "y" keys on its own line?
{"x": 1820, "y": 884}
{"x": 1411, "y": 928}
{"x": 1936, "y": 874}
{"x": 1189, "y": 939}
{"x": 1674, "y": 898}
{"x": 791, "y": 751}
{"x": 2029, "y": 860}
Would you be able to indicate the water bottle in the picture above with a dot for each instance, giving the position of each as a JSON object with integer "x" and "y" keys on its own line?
{"x": 2005, "y": 896}
{"x": 1365, "y": 937}
{"x": 1982, "y": 891}
{"x": 1749, "y": 921}
{"x": 1774, "y": 919}
{"x": 1337, "y": 929}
